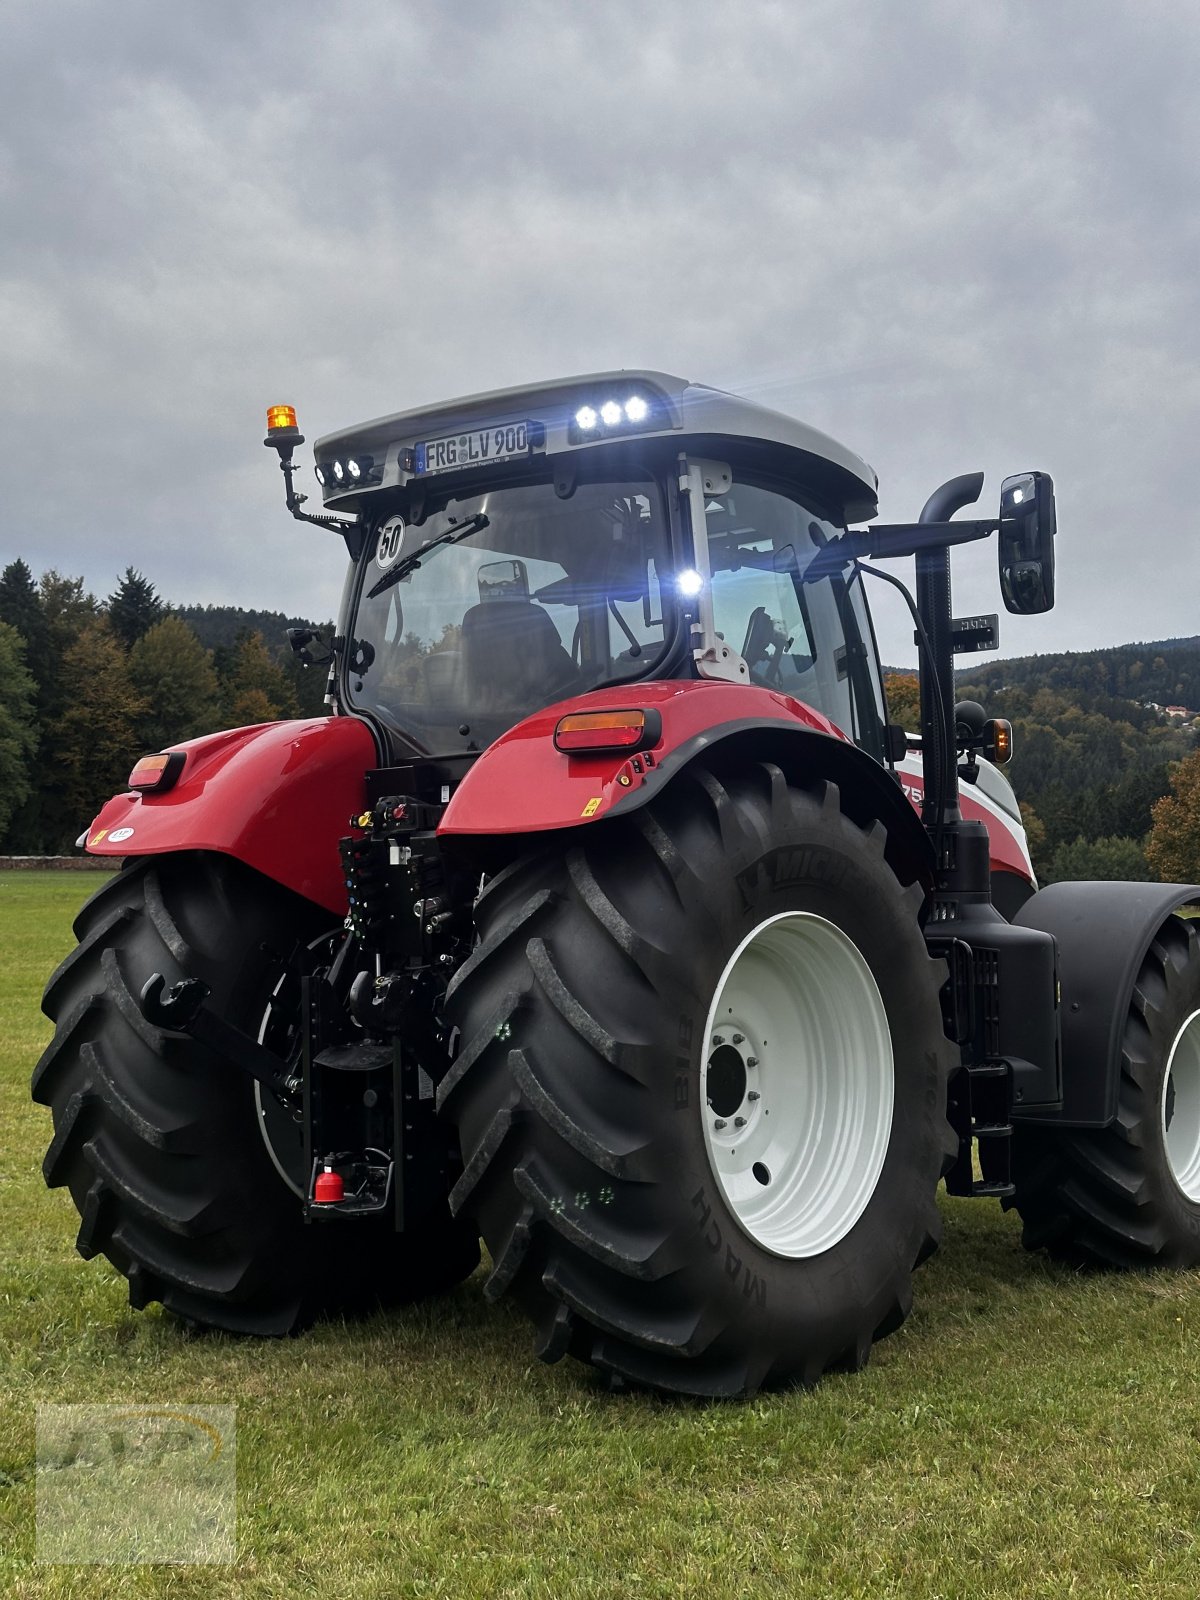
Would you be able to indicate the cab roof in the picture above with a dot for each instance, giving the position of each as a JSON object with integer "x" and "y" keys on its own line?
{"x": 696, "y": 416}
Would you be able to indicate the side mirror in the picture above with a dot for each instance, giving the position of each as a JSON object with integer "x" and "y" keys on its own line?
{"x": 1026, "y": 547}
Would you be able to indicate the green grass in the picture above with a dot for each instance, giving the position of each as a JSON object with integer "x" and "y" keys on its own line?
{"x": 1029, "y": 1432}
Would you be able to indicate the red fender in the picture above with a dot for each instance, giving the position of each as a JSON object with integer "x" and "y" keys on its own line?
{"x": 522, "y": 784}
{"x": 277, "y": 796}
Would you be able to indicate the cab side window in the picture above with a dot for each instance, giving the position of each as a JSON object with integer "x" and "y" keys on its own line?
{"x": 803, "y": 638}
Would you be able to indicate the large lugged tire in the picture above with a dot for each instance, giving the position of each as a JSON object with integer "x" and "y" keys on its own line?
{"x": 738, "y": 949}
{"x": 1129, "y": 1195}
{"x": 158, "y": 1140}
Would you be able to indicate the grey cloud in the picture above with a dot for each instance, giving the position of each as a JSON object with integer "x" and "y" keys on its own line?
{"x": 953, "y": 236}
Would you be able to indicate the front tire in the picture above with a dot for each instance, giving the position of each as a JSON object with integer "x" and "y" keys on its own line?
{"x": 1129, "y": 1195}
{"x": 158, "y": 1140}
{"x": 596, "y": 1090}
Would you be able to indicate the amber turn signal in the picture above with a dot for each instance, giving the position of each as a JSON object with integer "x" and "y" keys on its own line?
{"x": 998, "y": 741}
{"x": 153, "y": 774}
{"x": 580, "y": 732}
{"x": 280, "y": 417}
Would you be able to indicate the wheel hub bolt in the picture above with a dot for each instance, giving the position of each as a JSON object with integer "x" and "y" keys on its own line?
{"x": 754, "y": 1095}
{"x": 717, "y": 1040}
{"x": 739, "y": 1122}
{"x": 739, "y": 1038}
{"x": 751, "y": 1061}
{"x": 719, "y": 1124}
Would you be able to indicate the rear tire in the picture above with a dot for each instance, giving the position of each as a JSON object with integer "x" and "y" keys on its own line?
{"x": 1129, "y": 1195}
{"x": 158, "y": 1140}
{"x": 587, "y": 1088}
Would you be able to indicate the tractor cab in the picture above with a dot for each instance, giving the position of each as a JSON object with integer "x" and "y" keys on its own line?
{"x": 524, "y": 547}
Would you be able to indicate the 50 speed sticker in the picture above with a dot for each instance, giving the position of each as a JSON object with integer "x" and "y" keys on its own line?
{"x": 391, "y": 538}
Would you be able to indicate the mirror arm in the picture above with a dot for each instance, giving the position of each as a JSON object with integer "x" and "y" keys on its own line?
{"x": 886, "y": 540}
{"x": 891, "y": 540}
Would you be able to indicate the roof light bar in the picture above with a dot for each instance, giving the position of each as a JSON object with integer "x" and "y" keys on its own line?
{"x": 340, "y": 474}
{"x": 611, "y": 414}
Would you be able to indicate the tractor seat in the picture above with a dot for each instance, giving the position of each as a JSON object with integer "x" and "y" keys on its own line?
{"x": 513, "y": 658}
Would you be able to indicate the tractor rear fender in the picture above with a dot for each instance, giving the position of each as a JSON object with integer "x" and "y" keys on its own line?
{"x": 1102, "y": 931}
{"x": 277, "y": 796}
{"x": 523, "y": 784}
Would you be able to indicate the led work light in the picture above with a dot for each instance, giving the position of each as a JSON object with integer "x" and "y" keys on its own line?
{"x": 355, "y": 469}
{"x": 612, "y": 414}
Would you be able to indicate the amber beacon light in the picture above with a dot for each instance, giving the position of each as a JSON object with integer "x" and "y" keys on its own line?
{"x": 283, "y": 432}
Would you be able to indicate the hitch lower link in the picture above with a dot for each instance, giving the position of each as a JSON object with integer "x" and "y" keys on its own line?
{"x": 181, "y": 1008}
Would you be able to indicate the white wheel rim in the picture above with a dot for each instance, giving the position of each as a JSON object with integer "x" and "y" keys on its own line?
{"x": 1181, "y": 1108}
{"x": 797, "y": 1127}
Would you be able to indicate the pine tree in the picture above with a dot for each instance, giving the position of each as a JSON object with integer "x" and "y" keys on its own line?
{"x": 134, "y": 607}
{"x": 255, "y": 688}
{"x": 173, "y": 673}
{"x": 20, "y": 605}
{"x": 18, "y": 725}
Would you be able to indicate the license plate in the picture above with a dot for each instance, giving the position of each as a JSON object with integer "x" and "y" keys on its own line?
{"x": 503, "y": 442}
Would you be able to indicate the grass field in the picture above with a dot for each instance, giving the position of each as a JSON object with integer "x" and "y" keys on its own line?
{"x": 1029, "y": 1432}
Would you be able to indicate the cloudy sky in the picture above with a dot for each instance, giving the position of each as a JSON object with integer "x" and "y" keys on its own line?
{"x": 953, "y": 235}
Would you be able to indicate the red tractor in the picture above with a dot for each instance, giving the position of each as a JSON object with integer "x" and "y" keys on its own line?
{"x": 607, "y": 917}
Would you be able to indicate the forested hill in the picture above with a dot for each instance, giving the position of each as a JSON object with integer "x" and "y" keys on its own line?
{"x": 1097, "y": 736}
{"x": 1165, "y": 672}
{"x": 221, "y": 627}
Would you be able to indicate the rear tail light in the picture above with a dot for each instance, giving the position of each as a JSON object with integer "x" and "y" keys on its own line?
{"x": 153, "y": 774}
{"x": 583, "y": 731}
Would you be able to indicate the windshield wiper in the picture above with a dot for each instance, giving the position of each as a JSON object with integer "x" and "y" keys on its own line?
{"x": 450, "y": 535}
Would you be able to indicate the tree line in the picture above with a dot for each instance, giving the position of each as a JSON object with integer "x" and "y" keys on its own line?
{"x": 1109, "y": 784}
{"x": 90, "y": 685}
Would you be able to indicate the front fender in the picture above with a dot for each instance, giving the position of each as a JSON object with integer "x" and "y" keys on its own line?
{"x": 522, "y": 784}
{"x": 278, "y": 796}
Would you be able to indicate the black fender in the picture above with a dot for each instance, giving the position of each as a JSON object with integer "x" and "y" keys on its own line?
{"x": 1102, "y": 931}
